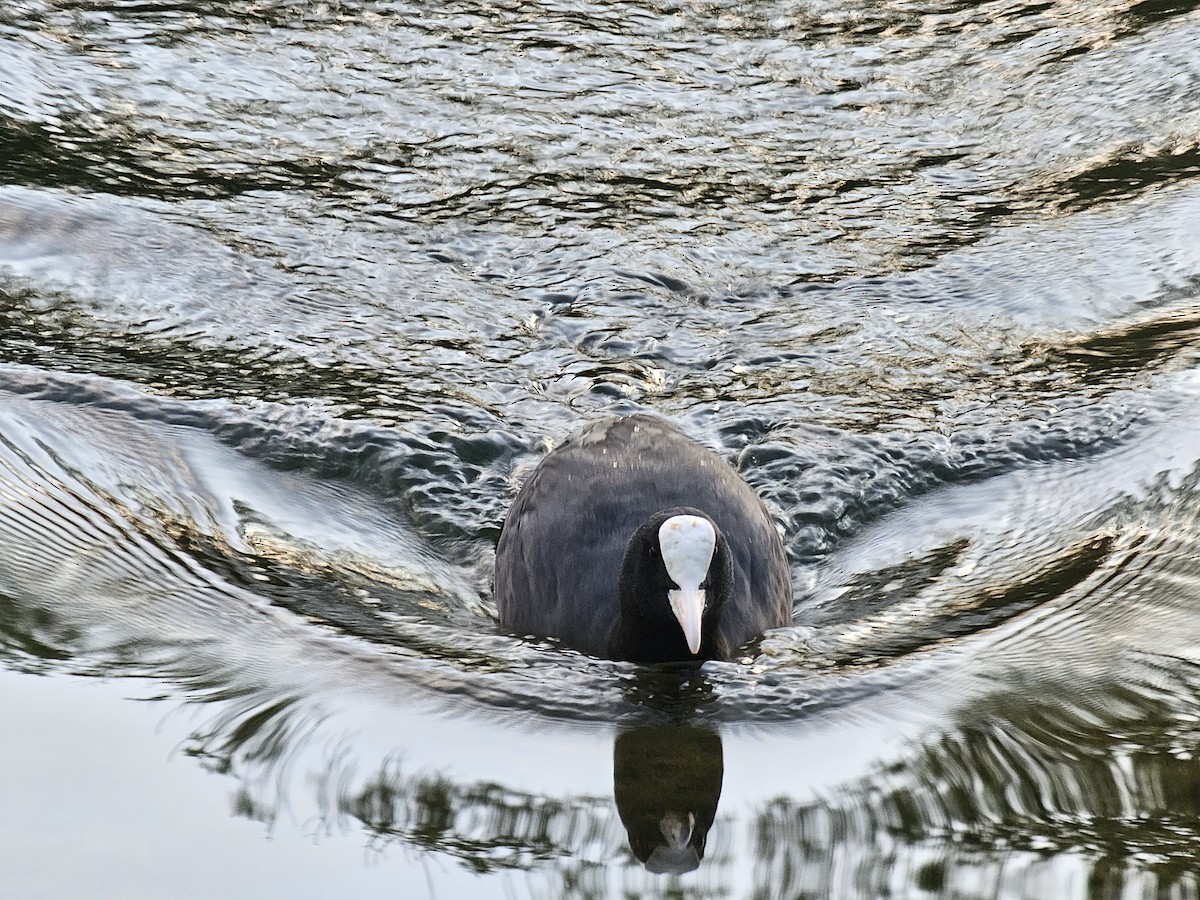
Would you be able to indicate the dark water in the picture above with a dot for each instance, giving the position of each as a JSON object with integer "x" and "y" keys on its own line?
{"x": 292, "y": 294}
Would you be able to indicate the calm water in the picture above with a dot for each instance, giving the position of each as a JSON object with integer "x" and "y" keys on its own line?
{"x": 293, "y": 294}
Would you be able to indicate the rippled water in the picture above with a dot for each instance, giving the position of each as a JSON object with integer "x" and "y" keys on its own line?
{"x": 292, "y": 295}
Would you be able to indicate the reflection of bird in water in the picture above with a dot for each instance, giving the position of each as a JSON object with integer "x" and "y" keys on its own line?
{"x": 676, "y": 854}
{"x": 633, "y": 541}
{"x": 667, "y": 783}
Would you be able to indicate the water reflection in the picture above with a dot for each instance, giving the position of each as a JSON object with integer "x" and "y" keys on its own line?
{"x": 668, "y": 766}
{"x": 1001, "y": 666}
{"x": 667, "y": 783}
{"x": 974, "y": 806}
{"x": 982, "y": 810}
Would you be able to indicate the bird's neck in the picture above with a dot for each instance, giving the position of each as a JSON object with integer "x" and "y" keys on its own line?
{"x": 644, "y": 639}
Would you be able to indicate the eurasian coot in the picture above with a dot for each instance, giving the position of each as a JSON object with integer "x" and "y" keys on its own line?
{"x": 632, "y": 541}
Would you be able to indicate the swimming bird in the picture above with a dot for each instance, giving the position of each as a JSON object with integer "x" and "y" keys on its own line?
{"x": 632, "y": 541}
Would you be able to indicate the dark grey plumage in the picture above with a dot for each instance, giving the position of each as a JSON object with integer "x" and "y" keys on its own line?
{"x": 565, "y": 542}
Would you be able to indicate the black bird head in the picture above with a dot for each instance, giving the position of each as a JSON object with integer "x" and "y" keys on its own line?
{"x": 676, "y": 576}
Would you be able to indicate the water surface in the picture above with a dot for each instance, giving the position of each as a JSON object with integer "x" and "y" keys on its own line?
{"x": 292, "y": 296}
